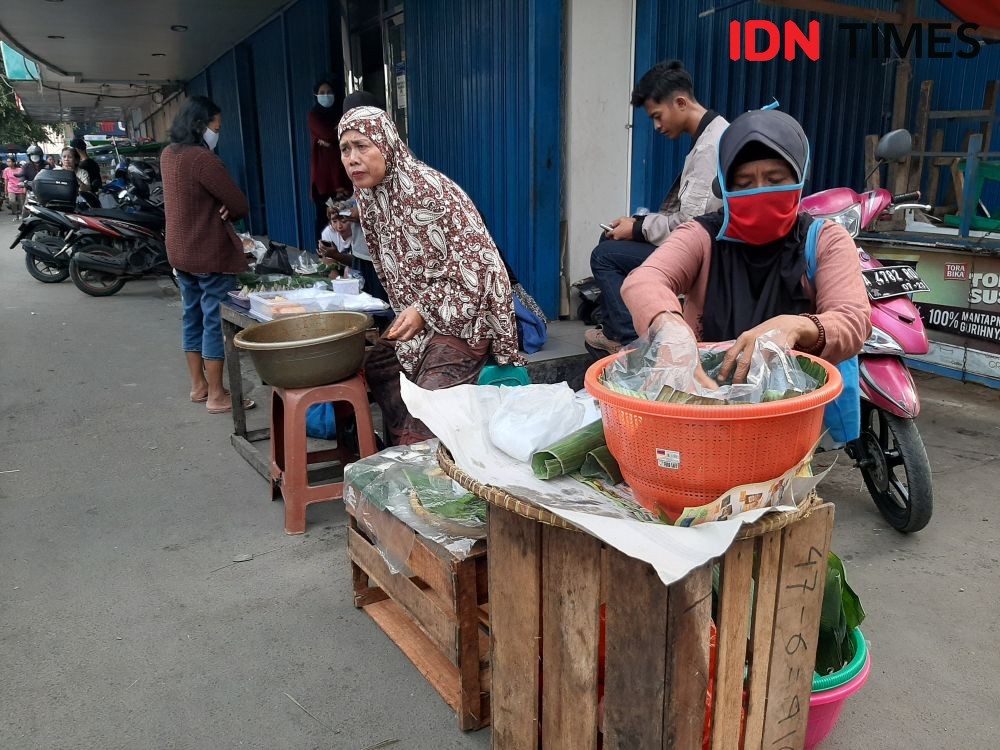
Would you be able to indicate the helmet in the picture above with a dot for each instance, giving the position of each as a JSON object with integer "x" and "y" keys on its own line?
{"x": 35, "y": 151}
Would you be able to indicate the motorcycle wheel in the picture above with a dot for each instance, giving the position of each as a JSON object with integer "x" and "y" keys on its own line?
{"x": 47, "y": 273}
{"x": 95, "y": 283}
{"x": 894, "y": 465}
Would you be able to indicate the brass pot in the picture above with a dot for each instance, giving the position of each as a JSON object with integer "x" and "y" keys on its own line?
{"x": 307, "y": 350}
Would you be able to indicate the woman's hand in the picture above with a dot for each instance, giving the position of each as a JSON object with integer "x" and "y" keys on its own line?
{"x": 322, "y": 143}
{"x": 678, "y": 327}
{"x": 406, "y": 325}
{"x": 791, "y": 331}
{"x": 224, "y": 213}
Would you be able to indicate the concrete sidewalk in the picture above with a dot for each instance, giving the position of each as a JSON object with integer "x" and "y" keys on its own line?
{"x": 125, "y": 624}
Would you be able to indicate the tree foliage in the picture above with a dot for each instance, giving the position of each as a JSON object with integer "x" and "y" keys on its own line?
{"x": 16, "y": 127}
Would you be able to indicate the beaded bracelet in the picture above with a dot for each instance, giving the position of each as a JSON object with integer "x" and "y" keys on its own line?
{"x": 820, "y": 344}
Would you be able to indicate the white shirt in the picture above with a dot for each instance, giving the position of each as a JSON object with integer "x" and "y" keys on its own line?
{"x": 334, "y": 238}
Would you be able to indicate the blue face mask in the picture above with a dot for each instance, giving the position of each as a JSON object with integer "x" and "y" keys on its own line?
{"x": 325, "y": 100}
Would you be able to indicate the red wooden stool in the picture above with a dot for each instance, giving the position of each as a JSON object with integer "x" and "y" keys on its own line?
{"x": 290, "y": 456}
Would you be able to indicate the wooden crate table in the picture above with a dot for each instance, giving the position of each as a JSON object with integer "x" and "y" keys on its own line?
{"x": 435, "y": 608}
{"x": 549, "y": 583}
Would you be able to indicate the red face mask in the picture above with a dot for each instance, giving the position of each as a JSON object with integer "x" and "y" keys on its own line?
{"x": 760, "y": 216}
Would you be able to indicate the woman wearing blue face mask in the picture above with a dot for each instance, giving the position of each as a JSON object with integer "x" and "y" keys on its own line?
{"x": 743, "y": 270}
{"x": 326, "y": 173}
{"x": 200, "y": 201}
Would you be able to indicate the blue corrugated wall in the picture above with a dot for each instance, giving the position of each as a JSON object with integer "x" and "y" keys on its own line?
{"x": 837, "y": 100}
{"x": 307, "y": 29}
{"x": 224, "y": 91}
{"x": 277, "y": 155}
{"x": 484, "y": 86}
{"x": 198, "y": 86}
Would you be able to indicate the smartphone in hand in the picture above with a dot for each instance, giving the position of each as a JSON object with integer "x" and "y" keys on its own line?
{"x": 606, "y": 227}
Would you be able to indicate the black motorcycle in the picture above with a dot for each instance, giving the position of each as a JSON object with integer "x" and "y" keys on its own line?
{"x": 123, "y": 245}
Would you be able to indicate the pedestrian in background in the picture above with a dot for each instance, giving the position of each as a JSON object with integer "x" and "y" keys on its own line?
{"x": 200, "y": 201}
{"x": 14, "y": 182}
{"x": 327, "y": 178}
{"x": 51, "y": 160}
{"x": 93, "y": 170}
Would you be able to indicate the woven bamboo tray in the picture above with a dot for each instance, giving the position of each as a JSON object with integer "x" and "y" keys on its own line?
{"x": 527, "y": 509}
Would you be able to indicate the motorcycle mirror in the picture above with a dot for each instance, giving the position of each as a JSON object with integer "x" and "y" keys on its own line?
{"x": 894, "y": 146}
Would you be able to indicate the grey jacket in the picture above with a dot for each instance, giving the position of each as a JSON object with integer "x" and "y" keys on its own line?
{"x": 692, "y": 194}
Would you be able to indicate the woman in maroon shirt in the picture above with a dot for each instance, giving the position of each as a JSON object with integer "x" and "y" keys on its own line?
{"x": 200, "y": 200}
{"x": 327, "y": 178}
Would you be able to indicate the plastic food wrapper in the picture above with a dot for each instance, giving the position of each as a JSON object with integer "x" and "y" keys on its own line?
{"x": 407, "y": 482}
{"x": 662, "y": 368}
{"x": 253, "y": 246}
{"x": 532, "y": 417}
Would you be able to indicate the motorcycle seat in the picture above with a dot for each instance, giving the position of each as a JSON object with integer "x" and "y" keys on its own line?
{"x": 143, "y": 218}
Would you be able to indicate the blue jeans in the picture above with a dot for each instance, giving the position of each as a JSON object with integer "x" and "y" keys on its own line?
{"x": 611, "y": 262}
{"x": 201, "y": 295}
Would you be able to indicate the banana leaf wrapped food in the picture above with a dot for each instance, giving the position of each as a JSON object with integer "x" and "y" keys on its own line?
{"x": 408, "y": 483}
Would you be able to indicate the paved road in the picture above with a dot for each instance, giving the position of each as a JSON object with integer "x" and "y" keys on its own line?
{"x": 124, "y": 625}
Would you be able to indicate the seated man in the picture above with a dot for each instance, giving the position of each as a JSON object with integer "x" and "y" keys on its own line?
{"x": 666, "y": 92}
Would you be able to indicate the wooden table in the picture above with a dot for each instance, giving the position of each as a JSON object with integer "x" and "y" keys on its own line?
{"x": 234, "y": 320}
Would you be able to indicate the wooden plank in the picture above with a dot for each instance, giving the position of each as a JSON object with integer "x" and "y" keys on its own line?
{"x": 470, "y": 714}
{"x": 990, "y": 104}
{"x": 635, "y": 655}
{"x": 440, "y": 626}
{"x": 364, "y": 592}
{"x": 873, "y": 179}
{"x": 766, "y": 592}
{"x": 482, "y": 576}
{"x": 920, "y": 136}
{"x": 412, "y": 641}
{"x": 733, "y": 627}
{"x": 252, "y": 455}
{"x": 571, "y": 589}
{"x": 934, "y": 178}
{"x": 255, "y": 436}
{"x": 515, "y": 601}
{"x": 804, "y": 549}
{"x": 689, "y": 616}
{"x": 229, "y": 331}
{"x": 899, "y": 173}
{"x": 962, "y": 114}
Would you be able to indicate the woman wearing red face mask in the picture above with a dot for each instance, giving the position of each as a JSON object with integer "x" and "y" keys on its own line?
{"x": 742, "y": 270}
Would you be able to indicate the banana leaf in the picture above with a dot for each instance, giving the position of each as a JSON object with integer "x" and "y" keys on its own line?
{"x": 567, "y": 455}
{"x": 600, "y": 464}
{"x": 813, "y": 369}
{"x": 841, "y": 613}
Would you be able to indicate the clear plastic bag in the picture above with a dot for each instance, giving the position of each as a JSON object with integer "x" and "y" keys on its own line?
{"x": 408, "y": 483}
{"x": 662, "y": 367}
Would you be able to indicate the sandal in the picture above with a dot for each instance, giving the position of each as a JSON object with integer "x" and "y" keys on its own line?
{"x": 204, "y": 399}
{"x": 247, "y": 405}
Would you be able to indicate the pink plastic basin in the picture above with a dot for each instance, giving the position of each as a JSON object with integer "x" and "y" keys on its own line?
{"x": 825, "y": 707}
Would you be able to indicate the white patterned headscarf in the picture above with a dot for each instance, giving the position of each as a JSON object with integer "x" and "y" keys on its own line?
{"x": 431, "y": 249}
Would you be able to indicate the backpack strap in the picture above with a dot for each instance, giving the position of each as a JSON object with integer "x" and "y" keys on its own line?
{"x": 812, "y": 240}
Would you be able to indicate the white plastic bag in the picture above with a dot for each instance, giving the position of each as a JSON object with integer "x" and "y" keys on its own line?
{"x": 532, "y": 417}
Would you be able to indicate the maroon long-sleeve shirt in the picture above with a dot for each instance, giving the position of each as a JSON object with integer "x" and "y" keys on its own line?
{"x": 196, "y": 185}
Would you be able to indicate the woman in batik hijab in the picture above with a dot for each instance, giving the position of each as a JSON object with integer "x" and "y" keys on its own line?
{"x": 442, "y": 271}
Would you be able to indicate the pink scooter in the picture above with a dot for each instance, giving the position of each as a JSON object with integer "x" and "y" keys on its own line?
{"x": 890, "y": 451}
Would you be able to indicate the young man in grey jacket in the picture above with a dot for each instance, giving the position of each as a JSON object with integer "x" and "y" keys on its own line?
{"x": 666, "y": 92}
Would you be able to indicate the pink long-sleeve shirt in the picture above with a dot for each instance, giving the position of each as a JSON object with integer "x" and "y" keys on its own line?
{"x": 681, "y": 266}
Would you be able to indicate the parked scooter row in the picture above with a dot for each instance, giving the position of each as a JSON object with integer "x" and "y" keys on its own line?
{"x": 99, "y": 248}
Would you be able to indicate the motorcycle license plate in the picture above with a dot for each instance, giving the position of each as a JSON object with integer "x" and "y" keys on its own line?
{"x": 892, "y": 281}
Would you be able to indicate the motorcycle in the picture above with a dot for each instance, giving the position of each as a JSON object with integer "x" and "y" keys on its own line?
{"x": 889, "y": 452}
{"x": 46, "y": 234}
{"x": 129, "y": 244}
